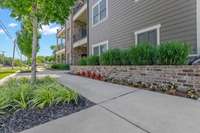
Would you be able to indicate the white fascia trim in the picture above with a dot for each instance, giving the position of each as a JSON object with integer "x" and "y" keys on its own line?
{"x": 156, "y": 27}
{"x": 99, "y": 44}
{"x": 198, "y": 26}
{"x": 100, "y": 21}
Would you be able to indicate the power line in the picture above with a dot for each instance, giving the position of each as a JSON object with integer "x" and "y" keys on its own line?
{"x": 4, "y": 28}
{"x": 8, "y": 34}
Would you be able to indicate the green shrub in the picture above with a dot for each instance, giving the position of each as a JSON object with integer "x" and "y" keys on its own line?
{"x": 60, "y": 66}
{"x": 63, "y": 95}
{"x": 143, "y": 54}
{"x": 43, "y": 97}
{"x": 173, "y": 53}
{"x": 115, "y": 57}
{"x": 170, "y": 53}
{"x": 104, "y": 59}
{"x": 92, "y": 60}
{"x": 111, "y": 57}
{"x": 21, "y": 94}
{"x": 4, "y": 101}
{"x": 125, "y": 57}
{"x": 83, "y": 62}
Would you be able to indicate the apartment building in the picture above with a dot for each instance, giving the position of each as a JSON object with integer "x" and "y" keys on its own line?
{"x": 72, "y": 38}
{"x": 124, "y": 23}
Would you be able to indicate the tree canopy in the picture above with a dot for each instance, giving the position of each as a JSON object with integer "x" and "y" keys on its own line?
{"x": 47, "y": 11}
{"x": 24, "y": 38}
{"x": 39, "y": 12}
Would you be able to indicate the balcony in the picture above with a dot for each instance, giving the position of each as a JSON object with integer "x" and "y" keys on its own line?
{"x": 80, "y": 38}
{"x": 79, "y": 5}
{"x": 80, "y": 10}
{"x": 61, "y": 32}
{"x": 60, "y": 49}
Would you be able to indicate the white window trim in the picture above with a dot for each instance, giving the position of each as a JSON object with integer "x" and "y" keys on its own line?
{"x": 98, "y": 45}
{"x": 156, "y": 27}
{"x": 100, "y": 21}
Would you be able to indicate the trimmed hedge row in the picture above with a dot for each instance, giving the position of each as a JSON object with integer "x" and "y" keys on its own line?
{"x": 168, "y": 53}
{"x": 60, "y": 66}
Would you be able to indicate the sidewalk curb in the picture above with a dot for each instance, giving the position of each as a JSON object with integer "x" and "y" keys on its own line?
{"x": 8, "y": 77}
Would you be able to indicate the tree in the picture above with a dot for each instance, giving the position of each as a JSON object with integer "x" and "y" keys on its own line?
{"x": 41, "y": 59}
{"x": 24, "y": 38}
{"x": 50, "y": 59}
{"x": 39, "y": 12}
{"x": 54, "y": 48}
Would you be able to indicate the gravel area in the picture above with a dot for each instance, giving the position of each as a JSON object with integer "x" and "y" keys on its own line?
{"x": 26, "y": 119}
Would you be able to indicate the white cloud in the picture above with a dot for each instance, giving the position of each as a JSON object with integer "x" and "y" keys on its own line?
{"x": 1, "y": 31}
{"x": 12, "y": 25}
{"x": 49, "y": 29}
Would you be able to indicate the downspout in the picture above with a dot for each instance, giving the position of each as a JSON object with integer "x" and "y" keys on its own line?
{"x": 198, "y": 25}
{"x": 71, "y": 37}
{"x": 88, "y": 28}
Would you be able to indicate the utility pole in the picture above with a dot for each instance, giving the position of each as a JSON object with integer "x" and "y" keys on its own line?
{"x": 4, "y": 28}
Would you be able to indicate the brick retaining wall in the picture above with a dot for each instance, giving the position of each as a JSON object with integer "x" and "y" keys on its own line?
{"x": 185, "y": 77}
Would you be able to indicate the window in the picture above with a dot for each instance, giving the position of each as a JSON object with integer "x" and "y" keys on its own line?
{"x": 102, "y": 9}
{"x": 99, "y": 12}
{"x": 96, "y": 50}
{"x": 100, "y": 48}
{"x": 150, "y": 35}
{"x": 95, "y": 15}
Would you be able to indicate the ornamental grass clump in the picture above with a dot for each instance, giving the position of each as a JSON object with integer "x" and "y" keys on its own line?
{"x": 115, "y": 57}
{"x": 143, "y": 54}
{"x": 60, "y": 66}
{"x": 125, "y": 57}
{"x": 168, "y": 53}
{"x": 111, "y": 57}
{"x": 83, "y": 61}
{"x": 173, "y": 53}
{"x": 92, "y": 60}
{"x": 20, "y": 94}
{"x": 105, "y": 58}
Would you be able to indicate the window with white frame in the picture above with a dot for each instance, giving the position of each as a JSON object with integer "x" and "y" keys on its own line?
{"x": 149, "y": 35}
{"x": 99, "y": 11}
{"x": 100, "y": 48}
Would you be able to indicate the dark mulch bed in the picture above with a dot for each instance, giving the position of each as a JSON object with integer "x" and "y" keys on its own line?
{"x": 25, "y": 119}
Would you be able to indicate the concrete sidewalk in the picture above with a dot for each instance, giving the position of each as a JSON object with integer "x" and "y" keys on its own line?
{"x": 123, "y": 109}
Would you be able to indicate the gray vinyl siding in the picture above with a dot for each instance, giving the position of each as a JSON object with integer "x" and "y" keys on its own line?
{"x": 102, "y": 31}
{"x": 125, "y": 17}
{"x": 198, "y": 26}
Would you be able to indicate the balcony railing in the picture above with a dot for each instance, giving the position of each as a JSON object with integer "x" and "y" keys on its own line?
{"x": 78, "y": 6}
{"x": 60, "y": 31}
{"x": 79, "y": 36}
{"x": 60, "y": 47}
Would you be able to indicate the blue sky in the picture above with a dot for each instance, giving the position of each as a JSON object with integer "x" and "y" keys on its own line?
{"x": 48, "y": 35}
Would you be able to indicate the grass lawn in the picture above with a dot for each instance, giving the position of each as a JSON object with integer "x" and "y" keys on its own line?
{"x": 4, "y": 72}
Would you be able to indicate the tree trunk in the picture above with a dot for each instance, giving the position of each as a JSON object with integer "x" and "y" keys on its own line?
{"x": 34, "y": 48}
